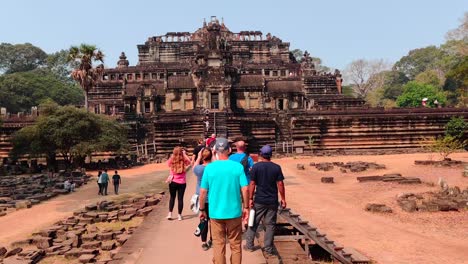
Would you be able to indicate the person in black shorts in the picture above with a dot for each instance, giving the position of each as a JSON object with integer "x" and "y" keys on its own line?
{"x": 117, "y": 181}
{"x": 266, "y": 181}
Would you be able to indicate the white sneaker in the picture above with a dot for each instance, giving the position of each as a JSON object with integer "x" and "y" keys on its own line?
{"x": 179, "y": 217}
{"x": 169, "y": 216}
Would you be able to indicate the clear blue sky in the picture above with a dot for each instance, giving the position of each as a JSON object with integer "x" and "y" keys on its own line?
{"x": 337, "y": 31}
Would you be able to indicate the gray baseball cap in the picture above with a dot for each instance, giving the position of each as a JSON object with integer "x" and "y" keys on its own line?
{"x": 221, "y": 144}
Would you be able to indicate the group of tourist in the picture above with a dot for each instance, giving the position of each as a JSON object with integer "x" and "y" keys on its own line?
{"x": 103, "y": 182}
{"x": 229, "y": 186}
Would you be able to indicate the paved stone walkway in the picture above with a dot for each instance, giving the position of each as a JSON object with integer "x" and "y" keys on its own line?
{"x": 159, "y": 240}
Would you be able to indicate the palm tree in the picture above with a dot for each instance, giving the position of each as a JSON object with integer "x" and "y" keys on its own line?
{"x": 85, "y": 74}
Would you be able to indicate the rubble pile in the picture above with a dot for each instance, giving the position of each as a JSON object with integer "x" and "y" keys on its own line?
{"x": 24, "y": 191}
{"x": 447, "y": 199}
{"x": 77, "y": 237}
{"x": 355, "y": 166}
{"x": 394, "y": 177}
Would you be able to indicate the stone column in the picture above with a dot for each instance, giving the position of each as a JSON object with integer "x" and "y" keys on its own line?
{"x": 138, "y": 106}
{"x": 247, "y": 100}
{"x": 221, "y": 100}
{"x": 152, "y": 106}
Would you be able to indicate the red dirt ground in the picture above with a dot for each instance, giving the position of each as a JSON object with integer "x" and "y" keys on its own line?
{"x": 400, "y": 237}
{"x": 336, "y": 209}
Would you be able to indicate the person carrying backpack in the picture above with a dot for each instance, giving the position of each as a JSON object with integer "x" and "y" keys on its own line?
{"x": 243, "y": 158}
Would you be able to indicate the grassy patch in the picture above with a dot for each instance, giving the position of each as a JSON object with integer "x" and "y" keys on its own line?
{"x": 115, "y": 226}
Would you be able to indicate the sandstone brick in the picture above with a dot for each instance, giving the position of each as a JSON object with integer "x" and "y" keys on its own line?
{"x": 86, "y": 258}
{"x": 108, "y": 245}
{"x": 91, "y": 245}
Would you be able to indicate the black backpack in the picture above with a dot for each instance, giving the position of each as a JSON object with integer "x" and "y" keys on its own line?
{"x": 245, "y": 163}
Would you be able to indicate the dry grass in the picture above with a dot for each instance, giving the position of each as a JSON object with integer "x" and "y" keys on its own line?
{"x": 118, "y": 225}
{"x": 150, "y": 188}
{"x": 59, "y": 260}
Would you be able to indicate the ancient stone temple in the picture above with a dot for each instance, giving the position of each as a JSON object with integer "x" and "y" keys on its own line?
{"x": 216, "y": 70}
{"x": 186, "y": 85}
{"x": 246, "y": 85}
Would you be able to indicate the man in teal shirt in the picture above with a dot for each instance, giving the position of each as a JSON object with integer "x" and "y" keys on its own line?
{"x": 224, "y": 180}
{"x": 104, "y": 182}
{"x": 243, "y": 158}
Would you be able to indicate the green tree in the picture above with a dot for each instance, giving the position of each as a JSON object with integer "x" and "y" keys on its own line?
{"x": 296, "y": 54}
{"x": 457, "y": 82}
{"x": 70, "y": 133}
{"x": 59, "y": 64}
{"x": 419, "y": 60}
{"x": 21, "y": 90}
{"x": 414, "y": 92}
{"x": 20, "y": 57}
{"x": 85, "y": 74}
{"x": 432, "y": 77}
{"x": 456, "y": 128}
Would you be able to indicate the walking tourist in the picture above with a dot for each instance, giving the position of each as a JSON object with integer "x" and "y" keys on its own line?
{"x": 99, "y": 182}
{"x": 242, "y": 157}
{"x": 267, "y": 180}
{"x": 196, "y": 150}
{"x": 205, "y": 158}
{"x": 177, "y": 164}
{"x": 223, "y": 182}
{"x": 116, "y": 180}
{"x": 210, "y": 141}
{"x": 104, "y": 182}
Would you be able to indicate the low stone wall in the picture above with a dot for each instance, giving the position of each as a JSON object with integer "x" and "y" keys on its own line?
{"x": 24, "y": 191}
{"x": 82, "y": 236}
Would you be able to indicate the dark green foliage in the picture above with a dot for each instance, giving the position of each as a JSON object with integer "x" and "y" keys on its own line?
{"x": 22, "y": 90}
{"x": 347, "y": 90}
{"x": 456, "y": 128}
{"x": 20, "y": 57}
{"x": 69, "y": 132}
{"x": 414, "y": 92}
{"x": 58, "y": 63}
{"x": 420, "y": 60}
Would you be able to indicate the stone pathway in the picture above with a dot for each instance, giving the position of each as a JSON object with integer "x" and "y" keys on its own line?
{"x": 159, "y": 240}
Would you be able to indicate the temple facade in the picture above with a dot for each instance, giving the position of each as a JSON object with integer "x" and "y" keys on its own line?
{"x": 243, "y": 85}
{"x": 214, "y": 69}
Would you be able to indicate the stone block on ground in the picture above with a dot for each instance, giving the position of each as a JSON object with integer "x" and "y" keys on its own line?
{"x": 108, "y": 245}
{"x": 105, "y": 236}
{"x": 87, "y": 258}
{"x": 410, "y": 181}
{"x": 3, "y": 251}
{"x": 42, "y": 242}
{"x": 121, "y": 239}
{"x": 13, "y": 252}
{"x": 126, "y": 217}
{"x": 327, "y": 180}
{"x": 91, "y": 245}
{"x": 23, "y": 204}
{"x": 300, "y": 166}
{"x": 89, "y": 237}
{"x": 378, "y": 208}
{"x": 408, "y": 205}
{"x": 144, "y": 211}
{"x": 91, "y": 207}
{"x": 152, "y": 201}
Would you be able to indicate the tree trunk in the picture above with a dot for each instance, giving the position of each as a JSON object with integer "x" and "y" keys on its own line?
{"x": 86, "y": 100}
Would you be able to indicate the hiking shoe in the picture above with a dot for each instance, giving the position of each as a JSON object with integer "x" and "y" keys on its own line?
{"x": 249, "y": 249}
{"x": 205, "y": 246}
{"x": 169, "y": 216}
{"x": 179, "y": 217}
{"x": 209, "y": 243}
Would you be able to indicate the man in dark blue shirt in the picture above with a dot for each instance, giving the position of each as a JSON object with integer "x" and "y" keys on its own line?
{"x": 266, "y": 180}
